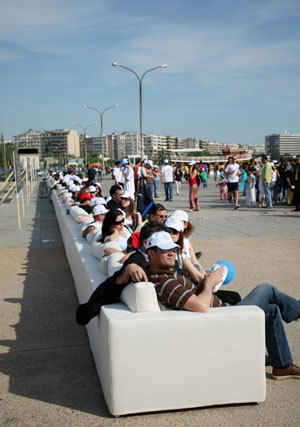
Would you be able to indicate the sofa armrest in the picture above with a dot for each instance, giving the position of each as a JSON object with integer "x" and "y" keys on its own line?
{"x": 140, "y": 297}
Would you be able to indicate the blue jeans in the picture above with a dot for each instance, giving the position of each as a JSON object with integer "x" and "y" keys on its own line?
{"x": 276, "y": 193}
{"x": 150, "y": 188}
{"x": 168, "y": 190}
{"x": 277, "y": 306}
{"x": 156, "y": 185}
{"x": 268, "y": 194}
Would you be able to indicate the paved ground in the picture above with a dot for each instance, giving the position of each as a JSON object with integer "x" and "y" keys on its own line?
{"x": 47, "y": 373}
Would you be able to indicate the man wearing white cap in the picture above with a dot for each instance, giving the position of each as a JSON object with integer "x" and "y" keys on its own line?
{"x": 99, "y": 212}
{"x": 167, "y": 178}
{"x": 174, "y": 290}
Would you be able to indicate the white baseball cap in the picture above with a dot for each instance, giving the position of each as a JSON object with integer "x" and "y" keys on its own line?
{"x": 92, "y": 189}
{"x": 192, "y": 163}
{"x": 79, "y": 180}
{"x": 99, "y": 210}
{"x": 98, "y": 201}
{"x": 182, "y": 215}
{"x": 166, "y": 161}
{"x": 173, "y": 222}
{"x": 162, "y": 240}
{"x": 85, "y": 180}
{"x": 127, "y": 195}
{"x": 74, "y": 188}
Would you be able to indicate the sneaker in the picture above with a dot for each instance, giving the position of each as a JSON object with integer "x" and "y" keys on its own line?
{"x": 236, "y": 206}
{"x": 286, "y": 372}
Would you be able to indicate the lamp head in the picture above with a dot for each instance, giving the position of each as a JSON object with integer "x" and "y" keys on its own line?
{"x": 164, "y": 65}
{"x": 85, "y": 106}
{"x": 114, "y": 64}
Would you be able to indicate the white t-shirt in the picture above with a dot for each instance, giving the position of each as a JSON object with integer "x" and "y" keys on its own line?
{"x": 167, "y": 173}
{"x": 118, "y": 173}
{"x": 233, "y": 177}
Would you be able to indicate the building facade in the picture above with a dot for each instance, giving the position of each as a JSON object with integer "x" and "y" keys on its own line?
{"x": 277, "y": 145}
{"x": 56, "y": 143}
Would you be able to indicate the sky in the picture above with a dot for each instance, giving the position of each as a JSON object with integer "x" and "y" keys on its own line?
{"x": 233, "y": 70}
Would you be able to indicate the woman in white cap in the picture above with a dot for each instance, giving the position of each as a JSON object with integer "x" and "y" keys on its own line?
{"x": 193, "y": 187}
{"x": 114, "y": 239}
{"x": 132, "y": 218}
{"x": 188, "y": 249}
{"x": 176, "y": 229}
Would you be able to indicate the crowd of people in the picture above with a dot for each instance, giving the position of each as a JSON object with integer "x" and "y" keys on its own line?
{"x": 265, "y": 183}
{"x": 155, "y": 247}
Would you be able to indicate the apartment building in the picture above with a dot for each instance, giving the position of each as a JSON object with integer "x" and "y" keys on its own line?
{"x": 277, "y": 145}
{"x": 56, "y": 143}
{"x": 154, "y": 145}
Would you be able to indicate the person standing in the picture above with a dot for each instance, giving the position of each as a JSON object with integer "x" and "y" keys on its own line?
{"x": 118, "y": 174}
{"x": 266, "y": 178}
{"x": 193, "y": 185}
{"x": 136, "y": 171}
{"x": 157, "y": 176}
{"x": 167, "y": 178}
{"x": 129, "y": 179}
{"x": 91, "y": 172}
{"x": 178, "y": 178}
{"x": 250, "y": 188}
{"x": 296, "y": 200}
{"x": 148, "y": 176}
{"x": 232, "y": 171}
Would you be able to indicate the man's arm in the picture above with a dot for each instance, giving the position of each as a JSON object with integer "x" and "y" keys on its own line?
{"x": 201, "y": 303}
{"x": 133, "y": 271}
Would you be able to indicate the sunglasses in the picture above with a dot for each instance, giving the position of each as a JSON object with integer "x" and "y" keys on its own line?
{"x": 162, "y": 216}
{"x": 166, "y": 251}
{"x": 119, "y": 222}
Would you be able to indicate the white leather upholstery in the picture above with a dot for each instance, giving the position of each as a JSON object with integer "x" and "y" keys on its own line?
{"x": 162, "y": 360}
{"x": 140, "y": 297}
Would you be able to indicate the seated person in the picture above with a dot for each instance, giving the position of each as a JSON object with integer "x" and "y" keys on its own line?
{"x": 175, "y": 290}
{"x": 157, "y": 212}
{"x": 109, "y": 291}
{"x": 132, "y": 217}
{"x": 99, "y": 212}
{"x": 114, "y": 238}
{"x": 84, "y": 202}
{"x": 114, "y": 201}
{"x": 133, "y": 270}
{"x": 175, "y": 227}
{"x": 188, "y": 249}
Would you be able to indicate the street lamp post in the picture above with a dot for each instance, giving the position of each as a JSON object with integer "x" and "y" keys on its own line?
{"x": 84, "y": 136}
{"x": 101, "y": 125}
{"x": 140, "y": 79}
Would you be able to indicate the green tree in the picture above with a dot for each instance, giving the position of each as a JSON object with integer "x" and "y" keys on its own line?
{"x": 9, "y": 149}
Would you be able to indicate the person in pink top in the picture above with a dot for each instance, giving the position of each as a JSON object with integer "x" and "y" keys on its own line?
{"x": 193, "y": 187}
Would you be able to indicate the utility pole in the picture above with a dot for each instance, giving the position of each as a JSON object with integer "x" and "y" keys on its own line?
{"x": 3, "y": 151}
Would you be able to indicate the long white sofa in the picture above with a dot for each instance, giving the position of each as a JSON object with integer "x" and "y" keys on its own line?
{"x": 161, "y": 360}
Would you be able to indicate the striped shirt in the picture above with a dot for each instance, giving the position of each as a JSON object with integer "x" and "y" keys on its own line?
{"x": 173, "y": 289}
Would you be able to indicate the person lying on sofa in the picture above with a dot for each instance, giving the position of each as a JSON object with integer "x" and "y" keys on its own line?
{"x": 175, "y": 290}
{"x": 133, "y": 270}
